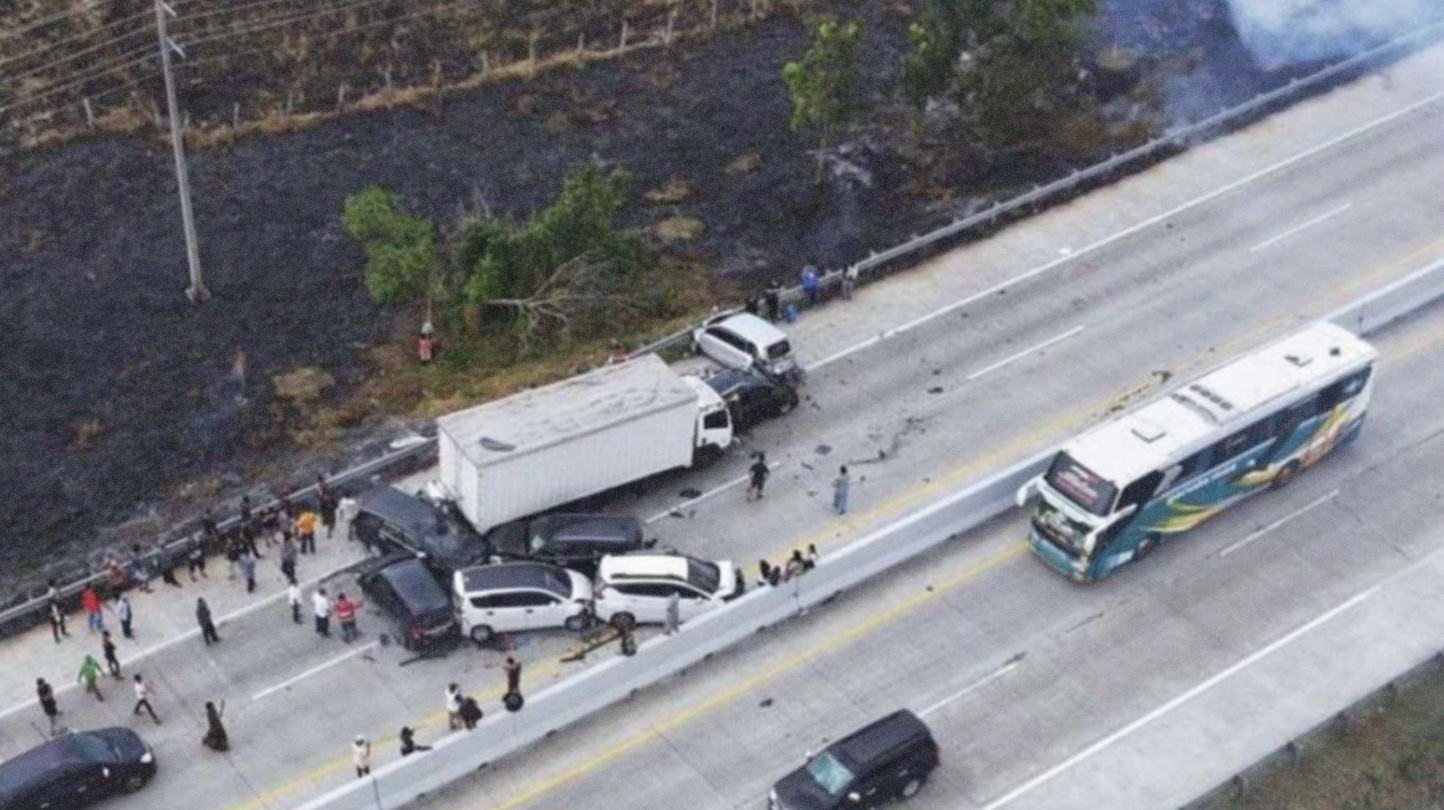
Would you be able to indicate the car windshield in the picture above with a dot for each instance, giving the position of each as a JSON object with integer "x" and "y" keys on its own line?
{"x": 96, "y": 748}
{"x": 556, "y": 581}
{"x": 1083, "y": 486}
{"x": 704, "y": 575}
{"x": 778, "y": 350}
{"x": 832, "y": 775}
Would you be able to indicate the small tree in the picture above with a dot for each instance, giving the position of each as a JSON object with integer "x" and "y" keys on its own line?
{"x": 820, "y": 84}
{"x": 400, "y": 250}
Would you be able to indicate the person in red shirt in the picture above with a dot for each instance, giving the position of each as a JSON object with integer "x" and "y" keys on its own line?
{"x": 90, "y": 601}
{"x": 345, "y": 611}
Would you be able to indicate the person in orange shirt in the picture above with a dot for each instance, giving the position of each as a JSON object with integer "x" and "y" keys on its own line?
{"x": 306, "y": 531}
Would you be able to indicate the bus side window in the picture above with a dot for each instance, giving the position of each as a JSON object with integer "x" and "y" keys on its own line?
{"x": 1138, "y": 492}
{"x": 1243, "y": 440}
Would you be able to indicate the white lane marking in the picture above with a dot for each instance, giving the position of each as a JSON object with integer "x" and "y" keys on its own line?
{"x": 996, "y": 674}
{"x": 1277, "y": 523}
{"x": 1013, "y": 794}
{"x": 1135, "y": 228}
{"x": 1024, "y": 353}
{"x": 725, "y": 485}
{"x": 312, "y": 671}
{"x": 1275, "y": 239}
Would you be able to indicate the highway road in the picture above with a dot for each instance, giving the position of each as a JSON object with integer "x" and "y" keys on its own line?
{"x": 991, "y": 351}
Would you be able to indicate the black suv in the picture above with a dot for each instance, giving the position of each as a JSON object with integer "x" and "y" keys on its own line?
{"x": 577, "y": 542}
{"x": 885, "y": 760}
{"x": 752, "y": 396}
{"x": 390, "y": 520}
{"x": 75, "y": 770}
{"x": 403, "y": 587}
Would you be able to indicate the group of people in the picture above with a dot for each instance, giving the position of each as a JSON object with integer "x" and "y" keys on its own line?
{"x": 759, "y": 471}
{"x": 795, "y": 566}
{"x": 769, "y": 303}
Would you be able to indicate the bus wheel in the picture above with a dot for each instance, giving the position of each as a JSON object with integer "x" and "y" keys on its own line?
{"x": 1146, "y": 546}
{"x": 1285, "y": 475}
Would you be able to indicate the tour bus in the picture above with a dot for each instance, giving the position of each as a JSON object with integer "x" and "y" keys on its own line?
{"x": 1113, "y": 493}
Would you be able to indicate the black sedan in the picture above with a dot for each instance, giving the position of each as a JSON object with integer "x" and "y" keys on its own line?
{"x": 752, "y": 396}
{"x": 76, "y": 770}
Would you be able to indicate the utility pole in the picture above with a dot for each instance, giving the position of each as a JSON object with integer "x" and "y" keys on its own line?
{"x": 197, "y": 291}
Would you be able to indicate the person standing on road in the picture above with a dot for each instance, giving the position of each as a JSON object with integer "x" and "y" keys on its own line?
{"x": 47, "y": 702}
{"x": 849, "y": 282}
{"x": 306, "y": 530}
{"x": 90, "y": 601}
{"x": 57, "y": 619}
{"x": 142, "y": 698}
{"x": 757, "y": 476}
{"x": 293, "y": 597}
{"x": 810, "y": 284}
{"x": 469, "y": 712}
{"x": 288, "y": 558}
{"x": 125, "y": 615}
{"x": 215, "y": 738}
{"x": 346, "y": 511}
{"x": 361, "y": 756}
{"x": 840, "y": 485}
{"x": 233, "y": 553}
{"x": 196, "y": 550}
{"x": 247, "y": 563}
{"x": 327, "y": 502}
{"x": 321, "y": 608}
{"x": 513, "y": 675}
{"x": 346, "y": 615}
{"x": 453, "y": 706}
{"x": 203, "y": 618}
{"x": 107, "y": 647}
{"x": 90, "y": 676}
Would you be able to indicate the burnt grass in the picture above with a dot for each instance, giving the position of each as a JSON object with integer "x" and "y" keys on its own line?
{"x": 117, "y": 394}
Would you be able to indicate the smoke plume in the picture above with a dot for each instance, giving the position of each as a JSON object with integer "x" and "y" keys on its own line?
{"x": 1280, "y": 33}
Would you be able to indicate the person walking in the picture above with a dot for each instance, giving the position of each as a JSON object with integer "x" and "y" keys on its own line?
{"x": 196, "y": 552}
{"x": 674, "y": 612}
{"x": 293, "y": 596}
{"x": 47, "y": 702}
{"x": 321, "y": 609}
{"x": 453, "y": 706}
{"x": 90, "y": 602}
{"x": 840, "y": 485}
{"x": 247, "y": 562}
{"x": 346, "y": 616}
{"x": 90, "y": 676}
{"x": 469, "y": 712}
{"x": 288, "y": 558}
{"x": 203, "y": 618}
{"x": 513, "y": 675}
{"x": 107, "y": 648}
{"x": 125, "y": 615}
{"x": 361, "y": 756}
{"x": 306, "y": 530}
{"x": 215, "y": 738}
{"x": 142, "y": 698}
{"x": 57, "y": 619}
{"x": 757, "y": 476}
{"x": 408, "y": 742}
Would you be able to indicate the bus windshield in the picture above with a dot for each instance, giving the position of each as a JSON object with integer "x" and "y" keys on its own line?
{"x": 1083, "y": 486}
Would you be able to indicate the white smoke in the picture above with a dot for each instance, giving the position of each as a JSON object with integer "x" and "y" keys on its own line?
{"x": 1283, "y": 32}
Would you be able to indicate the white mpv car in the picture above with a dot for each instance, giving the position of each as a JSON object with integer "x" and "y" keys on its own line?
{"x": 743, "y": 340}
{"x": 635, "y": 588}
{"x": 507, "y": 597}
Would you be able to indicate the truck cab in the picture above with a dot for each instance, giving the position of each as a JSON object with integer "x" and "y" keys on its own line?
{"x": 714, "y": 420}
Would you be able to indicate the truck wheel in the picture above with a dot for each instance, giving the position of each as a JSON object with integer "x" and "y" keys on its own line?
{"x": 624, "y": 621}
{"x": 481, "y": 634}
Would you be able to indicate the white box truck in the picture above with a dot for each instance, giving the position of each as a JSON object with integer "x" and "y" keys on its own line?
{"x": 549, "y": 446}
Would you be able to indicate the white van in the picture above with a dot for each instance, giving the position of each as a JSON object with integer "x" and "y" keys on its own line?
{"x": 508, "y": 597}
{"x": 635, "y": 588}
{"x": 743, "y": 340}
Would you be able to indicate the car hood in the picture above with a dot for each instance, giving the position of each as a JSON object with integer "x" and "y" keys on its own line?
{"x": 799, "y": 791}
{"x": 129, "y": 744}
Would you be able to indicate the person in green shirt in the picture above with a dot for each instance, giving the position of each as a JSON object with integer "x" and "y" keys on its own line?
{"x": 90, "y": 676}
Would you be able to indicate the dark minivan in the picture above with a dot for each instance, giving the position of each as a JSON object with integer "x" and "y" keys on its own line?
{"x": 390, "y": 520}
{"x": 577, "y": 542}
{"x": 885, "y": 760}
{"x": 75, "y": 770}
{"x": 403, "y": 587}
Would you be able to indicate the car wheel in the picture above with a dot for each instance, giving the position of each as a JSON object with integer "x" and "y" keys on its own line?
{"x": 132, "y": 783}
{"x": 911, "y": 787}
{"x": 1285, "y": 475}
{"x": 624, "y": 621}
{"x": 1146, "y": 546}
{"x": 482, "y": 634}
{"x": 577, "y": 623}
{"x": 787, "y": 404}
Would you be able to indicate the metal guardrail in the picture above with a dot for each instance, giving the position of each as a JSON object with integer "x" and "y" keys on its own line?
{"x": 28, "y": 613}
{"x": 1173, "y": 139}
{"x": 613, "y": 680}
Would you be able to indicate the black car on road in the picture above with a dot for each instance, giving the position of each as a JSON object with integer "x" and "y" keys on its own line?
{"x": 575, "y": 541}
{"x": 407, "y": 591}
{"x": 752, "y": 396}
{"x": 389, "y": 520}
{"x": 887, "y": 759}
{"x": 76, "y": 770}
